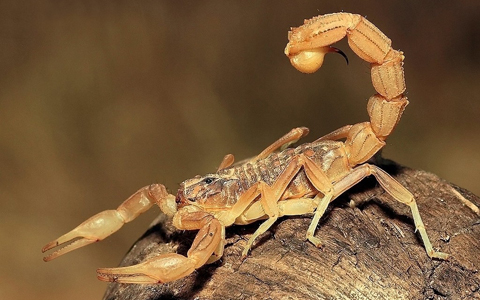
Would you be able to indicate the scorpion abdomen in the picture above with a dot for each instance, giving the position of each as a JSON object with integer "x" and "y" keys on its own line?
{"x": 330, "y": 155}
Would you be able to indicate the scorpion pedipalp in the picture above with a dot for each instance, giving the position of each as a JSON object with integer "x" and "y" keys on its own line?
{"x": 105, "y": 223}
{"x": 171, "y": 266}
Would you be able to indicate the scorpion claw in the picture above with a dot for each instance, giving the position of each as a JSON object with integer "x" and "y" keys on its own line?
{"x": 160, "y": 269}
{"x": 172, "y": 266}
{"x": 106, "y": 275}
{"x": 92, "y": 230}
{"x": 68, "y": 248}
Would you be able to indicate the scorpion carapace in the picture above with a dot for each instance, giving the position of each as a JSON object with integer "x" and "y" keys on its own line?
{"x": 280, "y": 180}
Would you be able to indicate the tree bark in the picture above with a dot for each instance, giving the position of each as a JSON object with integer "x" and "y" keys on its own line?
{"x": 370, "y": 251}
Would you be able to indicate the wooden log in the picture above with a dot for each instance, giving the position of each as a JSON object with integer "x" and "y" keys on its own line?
{"x": 370, "y": 251}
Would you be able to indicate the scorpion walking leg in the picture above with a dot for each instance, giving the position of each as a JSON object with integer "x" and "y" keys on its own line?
{"x": 227, "y": 161}
{"x": 105, "y": 223}
{"x": 321, "y": 208}
{"x": 397, "y": 191}
{"x": 400, "y": 193}
{"x": 290, "y": 207}
{"x": 340, "y": 133}
{"x": 322, "y": 183}
{"x": 290, "y": 138}
{"x": 172, "y": 266}
{"x": 269, "y": 197}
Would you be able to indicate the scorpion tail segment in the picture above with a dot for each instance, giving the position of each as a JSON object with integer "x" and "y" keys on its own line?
{"x": 105, "y": 223}
{"x": 160, "y": 269}
{"x": 384, "y": 114}
{"x": 309, "y": 43}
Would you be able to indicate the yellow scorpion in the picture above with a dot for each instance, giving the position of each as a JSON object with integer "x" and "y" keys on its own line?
{"x": 280, "y": 181}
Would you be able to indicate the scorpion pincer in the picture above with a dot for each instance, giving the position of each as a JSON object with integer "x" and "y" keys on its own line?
{"x": 280, "y": 180}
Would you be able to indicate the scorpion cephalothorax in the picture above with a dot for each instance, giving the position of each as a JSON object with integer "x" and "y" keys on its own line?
{"x": 280, "y": 180}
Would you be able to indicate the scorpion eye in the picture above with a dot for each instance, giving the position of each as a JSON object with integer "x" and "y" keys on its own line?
{"x": 208, "y": 180}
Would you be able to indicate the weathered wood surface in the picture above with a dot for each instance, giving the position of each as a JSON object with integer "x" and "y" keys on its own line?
{"x": 370, "y": 251}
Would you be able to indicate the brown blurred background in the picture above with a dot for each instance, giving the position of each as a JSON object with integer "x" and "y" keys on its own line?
{"x": 98, "y": 99}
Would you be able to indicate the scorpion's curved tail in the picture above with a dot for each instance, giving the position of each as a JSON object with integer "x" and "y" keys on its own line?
{"x": 306, "y": 49}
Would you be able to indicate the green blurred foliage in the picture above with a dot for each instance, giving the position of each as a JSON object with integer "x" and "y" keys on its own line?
{"x": 98, "y": 99}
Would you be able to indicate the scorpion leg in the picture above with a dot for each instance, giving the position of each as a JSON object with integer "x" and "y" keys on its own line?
{"x": 338, "y": 134}
{"x": 397, "y": 191}
{"x": 172, "y": 266}
{"x": 297, "y": 207}
{"x": 269, "y": 197}
{"x": 391, "y": 186}
{"x": 105, "y": 223}
{"x": 227, "y": 161}
{"x": 290, "y": 138}
{"x": 323, "y": 184}
{"x": 290, "y": 207}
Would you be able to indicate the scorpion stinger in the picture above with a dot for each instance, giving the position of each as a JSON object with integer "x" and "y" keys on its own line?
{"x": 336, "y": 50}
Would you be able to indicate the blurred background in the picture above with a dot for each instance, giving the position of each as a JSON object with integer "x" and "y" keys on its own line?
{"x": 98, "y": 99}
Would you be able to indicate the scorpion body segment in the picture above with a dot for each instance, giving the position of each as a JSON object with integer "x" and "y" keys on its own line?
{"x": 324, "y": 153}
{"x": 280, "y": 180}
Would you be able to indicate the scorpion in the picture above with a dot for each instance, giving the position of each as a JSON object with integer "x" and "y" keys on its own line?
{"x": 281, "y": 180}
